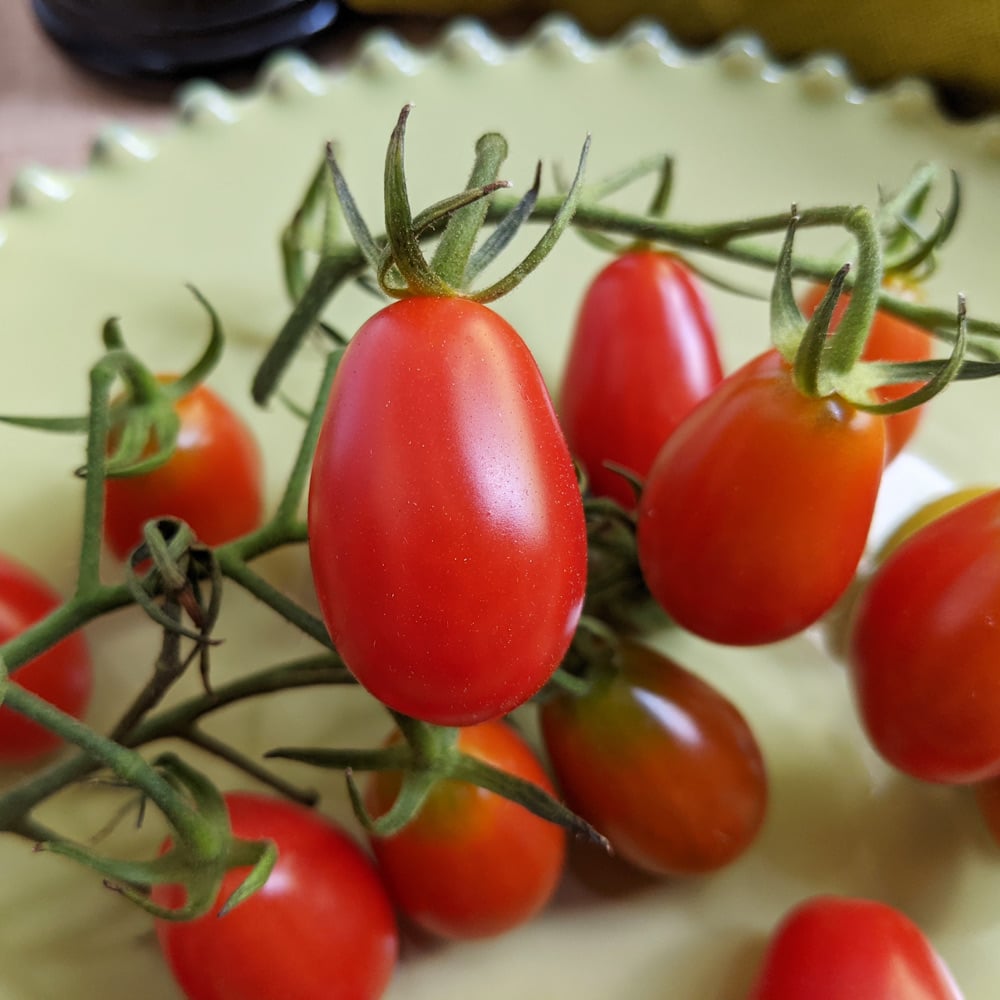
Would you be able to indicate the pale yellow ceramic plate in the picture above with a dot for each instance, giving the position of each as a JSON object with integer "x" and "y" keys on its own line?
{"x": 204, "y": 203}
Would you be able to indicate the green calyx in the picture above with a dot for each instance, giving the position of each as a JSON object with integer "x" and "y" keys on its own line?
{"x": 202, "y": 851}
{"x": 398, "y": 258}
{"x": 142, "y": 421}
{"x": 907, "y": 249}
{"x": 426, "y": 756}
{"x": 826, "y": 363}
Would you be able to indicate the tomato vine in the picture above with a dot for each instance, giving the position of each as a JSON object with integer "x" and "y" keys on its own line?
{"x": 178, "y": 581}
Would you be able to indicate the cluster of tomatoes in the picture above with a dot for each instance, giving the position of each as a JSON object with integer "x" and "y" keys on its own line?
{"x": 452, "y": 576}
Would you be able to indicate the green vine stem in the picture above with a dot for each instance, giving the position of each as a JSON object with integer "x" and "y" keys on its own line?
{"x": 122, "y": 761}
{"x": 730, "y": 240}
{"x": 176, "y": 721}
{"x": 93, "y": 599}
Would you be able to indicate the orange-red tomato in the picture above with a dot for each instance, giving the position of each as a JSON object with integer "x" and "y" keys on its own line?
{"x": 213, "y": 480}
{"x": 756, "y": 512}
{"x": 471, "y": 863}
{"x": 659, "y": 762}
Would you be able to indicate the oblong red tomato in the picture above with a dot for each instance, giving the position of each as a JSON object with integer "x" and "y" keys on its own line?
{"x": 659, "y": 762}
{"x": 837, "y": 948}
{"x": 471, "y": 864}
{"x": 889, "y": 339}
{"x": 62, "y": 675}
{"x": 925, "y": 644}
{"x": 643, "y": 354}
{"x": 213, "y": 481}
{"x": 446, "y": 528}
{"x": 321, "y": 928}
{"x": 757, "y": 509}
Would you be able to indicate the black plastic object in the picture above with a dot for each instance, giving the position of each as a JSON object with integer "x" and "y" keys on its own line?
{"x": 179, "y": 37}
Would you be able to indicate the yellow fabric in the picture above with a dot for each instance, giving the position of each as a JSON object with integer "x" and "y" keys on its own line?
{"x": 952, "y": 42}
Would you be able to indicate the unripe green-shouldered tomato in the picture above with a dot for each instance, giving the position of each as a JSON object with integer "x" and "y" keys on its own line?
{"x": 660, "y": 762}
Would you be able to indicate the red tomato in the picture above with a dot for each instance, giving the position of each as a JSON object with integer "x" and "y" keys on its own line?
{"x": 924, "y": 648}
{"x": 62, "y": 675}
{"x": 321, "y": 928}
{"x": 446, "y": 527}
{"x": 213, "y": 481}
{"x": 756, "y": 512}
{"x": 833, "y": 948}
{"x": 660, "y": 763}
{"x": 471, "y": 864}
{"x": 890, "y": 339}
{"x": 643, "y": 353}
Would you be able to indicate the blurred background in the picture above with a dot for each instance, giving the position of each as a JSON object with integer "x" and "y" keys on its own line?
{"x": 69, "y": 66}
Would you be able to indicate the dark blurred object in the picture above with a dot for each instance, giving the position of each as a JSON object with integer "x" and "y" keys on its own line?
{"x": 179, "y": 37}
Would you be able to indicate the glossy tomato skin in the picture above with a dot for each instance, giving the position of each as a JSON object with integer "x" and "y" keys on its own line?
{"x": 756, "y": 511}
{"x": 890, "y": 339}
{"x": 643, "y": 354}
{"x": 321, "y": 928}
{"x": 924, "y": 647}
{"x": 837, "y": 948}
{"x": 659, "y": 762}
{"x": 446, "y": 528}
{"x": 62, "y": 675}
{"x": 472, "y": 864}
{"x": 213, "y": 481}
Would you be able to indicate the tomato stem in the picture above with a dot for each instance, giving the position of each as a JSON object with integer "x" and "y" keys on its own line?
{"x": 848, "y": 341}
{"x": 332, "y": 271}
{"x": 452, "y": 253}
{"x": 813, "y": 348}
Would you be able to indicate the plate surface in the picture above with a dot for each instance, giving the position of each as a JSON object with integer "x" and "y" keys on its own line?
{"x": 204, "y": 203}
